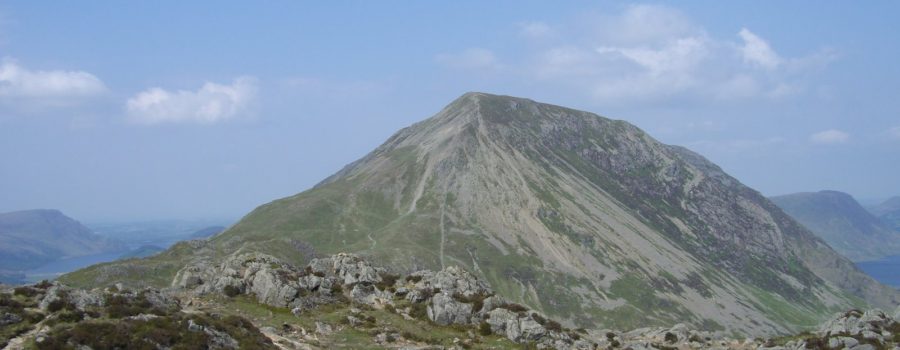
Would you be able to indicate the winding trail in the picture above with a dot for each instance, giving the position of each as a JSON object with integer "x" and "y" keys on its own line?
{"x": 442, "y": 230}
{"x": 20, "y": 341}
{"x": 374, "y": 242}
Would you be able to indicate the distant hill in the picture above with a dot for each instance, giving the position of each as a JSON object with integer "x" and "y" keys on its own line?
{"x": 842, "y": 222}
{"x": 12, "y": 278}
{"x": 142, "y": 252}
{"x": 889, "y": 212}
{"x": 31, "y": 238}
{"x": 207, "y": 232}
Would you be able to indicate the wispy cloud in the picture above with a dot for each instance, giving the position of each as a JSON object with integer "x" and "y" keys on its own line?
{"x": 648, "y": 54}
{"x": 18, "y": 83}
{"x": 471, "y": 58}
{"x": 757, "y": 51}
{"x": 832, "y": 136}
{"x": 210, "y": 104}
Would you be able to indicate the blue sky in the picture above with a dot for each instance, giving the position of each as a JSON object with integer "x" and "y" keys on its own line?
{"x": 115, "y": 110}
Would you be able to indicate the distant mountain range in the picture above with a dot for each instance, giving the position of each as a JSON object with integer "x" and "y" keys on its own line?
{"x": 888, "y": 212}
{"x": 842, "y": 222}
{"x": 583, "y": 218}
{"x": 31, "y": 238}
{"x": 207, "y": 232}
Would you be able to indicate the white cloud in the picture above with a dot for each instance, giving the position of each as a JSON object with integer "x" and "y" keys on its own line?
{"x": 645, "y": 25}
{"x": 471, "y": 58}
{"x": 51, "y": 86}
{"x": 210, "y": 104}
{"x": 653, "y": 54}
{"x": 679, "y": 55}
{"x": 831, "y": 136}
{"x": 757, "y": 51}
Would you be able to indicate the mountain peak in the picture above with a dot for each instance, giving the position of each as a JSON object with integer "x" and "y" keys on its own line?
{"x": 506, "y": 110}
{"x": 579, "y": 216}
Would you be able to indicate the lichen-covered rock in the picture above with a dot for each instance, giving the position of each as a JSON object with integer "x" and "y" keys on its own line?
{"x": 491, "y": 303}
{"x": 273, "y": 288}
{"x": 855, "y": 322}
{"x": 531, "y": 329}
{"x": 353, "y": 269}
{"x": 8, "y": 318}
{"x": 53, "y": 294}
{"x": 444, "y": 310}
{"x": 454, "y": 280}
{"x": 161, "y": 299}
{"x": 273, "y": 282}
{"x": 506, "y": 323}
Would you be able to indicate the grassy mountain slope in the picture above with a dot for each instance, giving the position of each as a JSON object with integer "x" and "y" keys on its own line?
{"x": 843, "y": 223}
{"x": 587, "y": 219}
{"x": 889, "y": 212}
{"x": 31, "y": 238}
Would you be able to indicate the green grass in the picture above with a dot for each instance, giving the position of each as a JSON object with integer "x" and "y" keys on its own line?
{"x": 351, "y": 337}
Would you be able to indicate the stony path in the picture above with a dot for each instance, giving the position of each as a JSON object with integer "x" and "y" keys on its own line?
{"x": 442, "y": 231}
{"x": 374, "y": 242}
{"x": 18, "y": 343}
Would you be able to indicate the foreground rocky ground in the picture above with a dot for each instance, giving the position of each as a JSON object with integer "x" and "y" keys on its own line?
{"x": 254, "y": 301}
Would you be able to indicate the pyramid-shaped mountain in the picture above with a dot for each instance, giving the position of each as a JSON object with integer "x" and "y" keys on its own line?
{"x": 587, "y": 219}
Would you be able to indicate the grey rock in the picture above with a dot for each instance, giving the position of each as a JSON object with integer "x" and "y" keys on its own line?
{"x": 870, "y": 335}
{"x": 531, "y": 329}
{"x": 444, "y": 310}
{"x": 161, "y": 299}
{"x": 322, "y": 266}
{"x": 457, "y": 280}
{"x": 835, "y": 343}
{"x": 354, "y": 321}
{"x": 849, "y": 342}
{"x": 51, "y": 296}
{"x": 500, "y": 319}
{"x": 352, "y": 269}
{"x": 82, "y": 299}
{"x": 855, "y": 323}
{"x": 146, "y": 317}
{"x": 194, "y": 327}
{"x": 491, "y": 303}
{"x": 323, "y": 328}
{"x": 273, "y": 288}
{"x": 8, "y": 318}
{"x": 863, "y": 347}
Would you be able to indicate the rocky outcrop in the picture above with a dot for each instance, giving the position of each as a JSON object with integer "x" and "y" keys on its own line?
{"x": 452, "y": 296}
{"x": 444, "y": 310}
{"x": 79, "y": 298}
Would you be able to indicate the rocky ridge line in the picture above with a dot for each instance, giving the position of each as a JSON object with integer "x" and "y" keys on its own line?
{"x": 453, "y": 296}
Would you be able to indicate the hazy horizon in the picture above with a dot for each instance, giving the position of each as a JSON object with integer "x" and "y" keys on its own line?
{"x": 167, "y": 110}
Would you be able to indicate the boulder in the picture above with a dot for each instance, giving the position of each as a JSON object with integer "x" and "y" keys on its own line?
{"x": 506, "y": 323}
{"x": 51, "y": 296}
{"x": 869, "y": 324}
{"x": 457, "y": 280}
{"x": 8, "y": 318}
{"x": 531, "y": 329}
{"x": 161, "y": 299}
{"x": 273, "y": 288}
{"x": 352, "y": 269}
{"x": 444, "y": 310}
